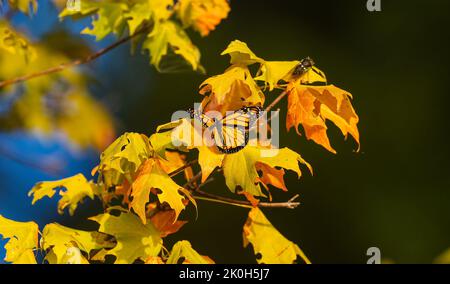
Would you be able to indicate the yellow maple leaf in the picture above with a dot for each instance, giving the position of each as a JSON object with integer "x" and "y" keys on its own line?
{"x": 203, "y": 15}
{"x": 273, "y": 71}
{"x": 122, "y": 158}
{"x": 182, "y": 252}
{"x": 231, "y": 90}
{"x": 152, "y": 176}
{"x": 16, "y": 44}
{"x": 64, "y": 244}
{"x": 188, "y": 136}
{"x": 209, "y": 159}
{"x": 241, "y": 54}
{"x": 23, "y": 239}
{"x": 134, "y": 239}
{"x": 311, "y": 106}
{"x": 126, "y": 153}
{"x": 77, "y": 188}
{"x": 269, "y": 245}
{"x": 241, "y": 169}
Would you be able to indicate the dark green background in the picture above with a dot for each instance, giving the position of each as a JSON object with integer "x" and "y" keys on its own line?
{"x": 394, "y": 193}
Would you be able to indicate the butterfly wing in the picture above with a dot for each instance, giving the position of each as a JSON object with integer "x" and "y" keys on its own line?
{"x": 230, "y": 138}
{"x": 204, "y": 119}
{"x": 231, "y": 134}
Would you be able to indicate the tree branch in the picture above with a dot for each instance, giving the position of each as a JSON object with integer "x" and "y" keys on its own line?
{"x": 179, "y": 170}
{"x": 201, "y": 195}
{"x": 74, "y": 63}
{"x": 276, "y": 101}
{"x": 53, "y": 168}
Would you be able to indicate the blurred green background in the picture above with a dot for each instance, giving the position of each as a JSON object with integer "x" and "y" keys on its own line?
{"x": 394, "y": 193}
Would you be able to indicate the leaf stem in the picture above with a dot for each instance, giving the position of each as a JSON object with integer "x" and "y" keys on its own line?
{"x": 74, "y": 63}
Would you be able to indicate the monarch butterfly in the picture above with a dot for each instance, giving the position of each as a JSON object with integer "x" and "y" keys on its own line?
{"x": 230, "y": 134}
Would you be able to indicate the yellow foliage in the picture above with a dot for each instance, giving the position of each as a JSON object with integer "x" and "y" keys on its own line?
{"x": 241, "y": 54}
{"x": 15, "y": 44}
{"x": 77, "y": 188}
{"x": 240, "y": 169}
{"x": 152, "y": 176}
{"x": 142, "y": 170}
{"x": 63, "y": 244}
{"x": 23, "y": 239}
{"x": 163, "y": 36}
{"x": 182, "y": 252}
{"x": 269, "y": 245}
{"x": 231, "y": 90}
{"x": 122, "y": 158}
{"x": 134, "y": 239}
{"x": 48, "y": 104}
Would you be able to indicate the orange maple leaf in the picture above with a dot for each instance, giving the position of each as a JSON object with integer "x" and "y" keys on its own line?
{"x": 203, "y": 15}
{"x": 311, "y": 106}
{"x": 164, "y": 222}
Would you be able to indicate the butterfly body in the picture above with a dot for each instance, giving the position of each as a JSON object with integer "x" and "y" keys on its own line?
{"x": 231, "y": 133}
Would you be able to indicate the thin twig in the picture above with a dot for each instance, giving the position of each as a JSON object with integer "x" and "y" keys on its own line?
{"x": 290, "y": 204}
{"x": 74, "y": 63}
{"x": 276, "y": 101}
{"x": 201, "y": 195}
{"x": 179, "y": 170}
{"x": 193, "y": 180}
{"x": 53, "y": 168}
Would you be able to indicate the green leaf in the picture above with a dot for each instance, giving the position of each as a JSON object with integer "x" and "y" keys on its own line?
{"x": 145, "y": 10}
{"x": 168, "y": 37}
{"x": 110, "y": 19}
